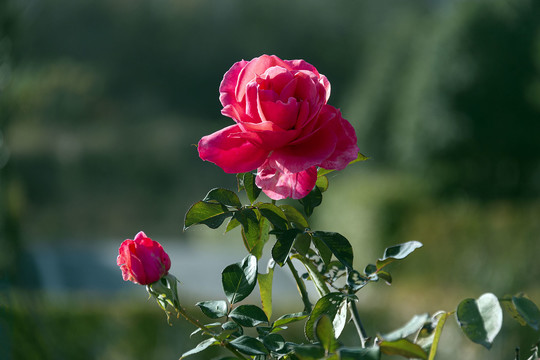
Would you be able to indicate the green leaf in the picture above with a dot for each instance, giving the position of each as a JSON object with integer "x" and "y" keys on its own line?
{"x": 265, "y": 288}
{"x": 249, "y": 345}
{"x": 309, "y": 352}
{"x": 397, "y": 252}
{"x": 209, "y": 214}
{"x": 338, "y": 244}
{"x": 328, "y": 305}
{"x": 527, "y": 310}
{"x": 302, "y": 243}
{"x": 311, "y": 201}
{"x": 254, "y": 231}
{"x": 294, "y": 216}
{"x": 370, "y": 353}
{"x": 248, "y": 315}
{"x": 437, "y": 335}
{"x": 232, "y": 328}
{"x": 223, "y": 196}
{"x": 324, "y": 331}
{"x": 322, "y": 183}
{"x": 412, "y": 327}
{"x": 274, "y": 342}
{"x": 385, "y": 276}
{"x": 283, "y": 245}
{"x": 402, "y": 347}
{"x": 274, "y": 214}
{"x": 205, "y": 344}
{"x": 289, "y": 318}
{"x": 360, "y": 157}
{"x": 213, "y": 309}
{"x": 324, "y": 252}
{"x": 246, "y": 181}
{"x": 239, "y": 279}
{"x": 314, "y": 275}
{"x": 233, "y": 223}
{"x": 480, "y": 319}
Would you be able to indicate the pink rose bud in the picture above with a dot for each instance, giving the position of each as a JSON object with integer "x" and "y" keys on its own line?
{"x": 283, "y": 127}
{"x": 143, "y": 260}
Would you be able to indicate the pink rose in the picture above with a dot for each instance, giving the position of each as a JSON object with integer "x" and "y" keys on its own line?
{"x": 142, "y": 260}
{"x": 284, "y": 127}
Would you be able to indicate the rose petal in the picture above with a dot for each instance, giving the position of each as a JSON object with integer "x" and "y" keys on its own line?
{"x": 346, "y": 149}
{"x": 254, "y": 68}
{"x": 279, "y": 185}
{"x": 311, "y": 151}
{"x": 232, "y": 154}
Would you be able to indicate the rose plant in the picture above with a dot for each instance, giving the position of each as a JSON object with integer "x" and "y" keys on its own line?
{"x": 285, "y": 139}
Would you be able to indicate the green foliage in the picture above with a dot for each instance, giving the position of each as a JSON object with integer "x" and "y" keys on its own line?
{"x": 265, "y": 288}
{"x": 209, "y": 214}
{"x": 402, "y": 347}
{"x": 480, "y": 319}
{"x": 213, "y": 309}
{"x": 239, "y": 279}
{"x": 248, "y": 315}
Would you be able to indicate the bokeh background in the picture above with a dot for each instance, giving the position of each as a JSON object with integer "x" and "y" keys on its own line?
{"x": 101, "y": 103}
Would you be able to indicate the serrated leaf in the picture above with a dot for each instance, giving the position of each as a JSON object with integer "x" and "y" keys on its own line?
{"x": 265, "y": 288}
{"x": 328, "y": 305}
{"x": 239, "y": 279}
{"x": 209, "y": 214}
{"x": 412, "y": 327}
{"x": 274, "y": 342}
{"x": 274, "y": 214}
{"x": 249, "y": 345}
{"x": 338, "y": 244}
{"x": 294, "y": 216}
{"x": 205, "y": 344}
{"x": 248, "y": 315}
{"x": 397, "y": 252}
{"x": 311, "y": 201}
{"x": 527, "y": 310}
{"x": 283, "y": 245}
{"x": 289, "y": 318}
{"x": 324, "y": 331}
{"x": 480, "y": 319}
{"x": 370, "y": 353}
{"x": 223, "y": 196}
{"x": 213, "y": 309}
{"x": 323, "y": 172}
{"x": 403, "y": 347}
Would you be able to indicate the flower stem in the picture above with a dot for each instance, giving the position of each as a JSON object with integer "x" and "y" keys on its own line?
{"x": 207, "y": 331}
{"x": 301, "y": 287}
{"x": 358, "y": 324}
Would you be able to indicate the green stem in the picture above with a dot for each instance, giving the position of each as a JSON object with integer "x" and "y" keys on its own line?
{"x": 358, "y": 324}
{"x": 301, "y": 287}
{"x": 207, "y": 331}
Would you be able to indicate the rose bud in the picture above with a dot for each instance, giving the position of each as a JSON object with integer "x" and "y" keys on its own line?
{"x": 142, "y": 260}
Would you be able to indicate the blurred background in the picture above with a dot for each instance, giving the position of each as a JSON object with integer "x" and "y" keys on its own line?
{"x": 101, "y": 103}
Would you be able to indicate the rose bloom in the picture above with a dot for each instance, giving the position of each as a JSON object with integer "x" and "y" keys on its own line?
{"x": 142, "y": 260}
{"x": 283, "y": 126}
